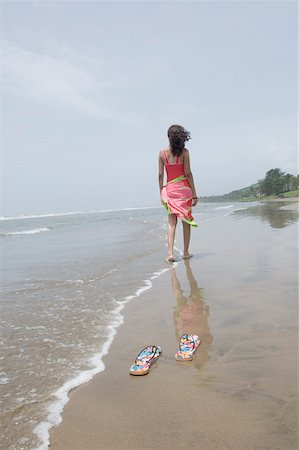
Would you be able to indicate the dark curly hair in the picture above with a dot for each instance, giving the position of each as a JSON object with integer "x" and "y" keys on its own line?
{"x": 177, "y": 137}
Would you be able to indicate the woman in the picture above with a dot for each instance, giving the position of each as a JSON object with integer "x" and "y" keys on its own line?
{"x": 179, "y": 194}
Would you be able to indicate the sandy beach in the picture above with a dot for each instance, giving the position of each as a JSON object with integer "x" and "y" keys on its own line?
{"x": 239, "y": 294}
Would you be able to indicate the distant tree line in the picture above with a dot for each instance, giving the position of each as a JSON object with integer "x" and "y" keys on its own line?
{"x": 275, "y": 182}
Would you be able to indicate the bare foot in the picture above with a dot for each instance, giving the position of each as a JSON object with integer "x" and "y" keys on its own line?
{"x": 170, "y": 259}
{"x": 187, "y": 256}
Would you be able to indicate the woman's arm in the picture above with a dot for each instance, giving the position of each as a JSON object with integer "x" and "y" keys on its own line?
{"x": 161, "y": 171}
{"x": 189, "y": 176}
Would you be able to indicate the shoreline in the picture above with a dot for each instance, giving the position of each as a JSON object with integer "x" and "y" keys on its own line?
{"x": 285, "y": 199}
{"x": 237, "y": 376}
{"x": 255, "y": 200}
{"x": 63, "y": 394}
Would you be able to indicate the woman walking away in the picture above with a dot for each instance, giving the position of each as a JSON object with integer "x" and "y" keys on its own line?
{"x": 179, "y": 194}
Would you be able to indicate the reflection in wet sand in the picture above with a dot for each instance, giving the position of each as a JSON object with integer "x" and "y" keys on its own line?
{"x": 191, "y": 314}
{"x": 273, "y": 213}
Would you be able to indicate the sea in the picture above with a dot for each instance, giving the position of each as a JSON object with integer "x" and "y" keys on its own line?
{"x": 65, "y": 280}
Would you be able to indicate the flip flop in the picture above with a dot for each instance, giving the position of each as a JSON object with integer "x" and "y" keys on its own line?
{"x": 188, "y": 345}
{"x": 145, "y": 359}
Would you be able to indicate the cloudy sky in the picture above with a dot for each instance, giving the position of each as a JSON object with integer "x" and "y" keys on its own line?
{"x": 90, "y": 88}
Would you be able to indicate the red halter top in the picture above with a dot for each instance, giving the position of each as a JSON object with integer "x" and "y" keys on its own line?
{"x": 173, "y": 170}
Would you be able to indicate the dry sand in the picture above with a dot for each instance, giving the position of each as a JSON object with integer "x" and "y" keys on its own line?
{"x": 239, "y": 293}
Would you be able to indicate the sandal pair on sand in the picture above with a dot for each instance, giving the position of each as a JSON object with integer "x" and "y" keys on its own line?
{"x": 187, "y": 347}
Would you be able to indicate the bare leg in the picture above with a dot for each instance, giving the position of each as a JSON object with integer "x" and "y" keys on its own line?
{"x": 172, "y": 222}
{"x": 187, "y": 234}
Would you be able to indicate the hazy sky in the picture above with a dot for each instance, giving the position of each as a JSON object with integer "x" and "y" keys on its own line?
{"x": 89, "y": 90}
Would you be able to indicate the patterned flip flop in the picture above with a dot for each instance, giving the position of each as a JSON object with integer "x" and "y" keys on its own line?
{"x": 145, "y": 359}
{"x": 188, "y": 345}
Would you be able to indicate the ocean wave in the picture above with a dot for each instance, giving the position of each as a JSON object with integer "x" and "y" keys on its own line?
{"x": 42, "y": 430}
{"x": 225, "y": 207}
{"x": 239, "y": 209}
{"x": 38, "y": 216}
{"x": 17, "y": 233}
{"x": 137, "y": 209}
{"x": 70, "y": 213}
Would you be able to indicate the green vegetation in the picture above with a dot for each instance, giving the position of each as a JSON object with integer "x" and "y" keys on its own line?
{"x": 294, "y": 193}
{"x": 276, "y": 184}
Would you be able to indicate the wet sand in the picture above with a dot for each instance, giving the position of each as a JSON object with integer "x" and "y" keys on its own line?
{"x": 239, "y": 294}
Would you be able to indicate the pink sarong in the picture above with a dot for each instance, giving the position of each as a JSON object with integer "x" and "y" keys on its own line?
{"x": 177, "y": 198}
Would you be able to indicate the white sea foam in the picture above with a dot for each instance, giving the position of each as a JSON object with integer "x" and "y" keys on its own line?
{"x": 225, "y": 207}
{"x": 17, "y": 233}
{"x": 39, "y": 327}
{"x": 4, "y": 378}
{"x": 79, "y": 281}
{"x": 42, "y": 430}
{"x": 37, "y": 216}
{"x": 239, "y": 209}
{"x": 139, "y": 208}
{"x": 70, "y": 213}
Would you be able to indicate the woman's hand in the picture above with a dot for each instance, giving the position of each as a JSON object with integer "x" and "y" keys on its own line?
{"x": 194, "y": 201}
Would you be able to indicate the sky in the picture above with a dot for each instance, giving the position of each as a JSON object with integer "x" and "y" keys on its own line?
{"x": 89, "y": 89}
